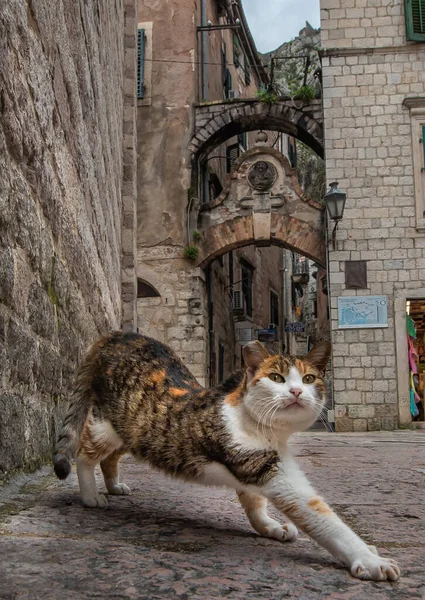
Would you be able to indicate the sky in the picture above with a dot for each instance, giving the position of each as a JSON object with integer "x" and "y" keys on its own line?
{"x": 273, "y": 22}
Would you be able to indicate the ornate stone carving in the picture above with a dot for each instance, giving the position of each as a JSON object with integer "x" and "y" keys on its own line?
{"x": 262, "y": 175}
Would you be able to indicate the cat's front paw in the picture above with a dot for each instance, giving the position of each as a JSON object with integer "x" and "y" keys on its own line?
{"x": 377, "y": 568}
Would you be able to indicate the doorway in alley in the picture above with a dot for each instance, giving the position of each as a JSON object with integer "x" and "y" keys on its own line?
{"x": 415, "y": 329}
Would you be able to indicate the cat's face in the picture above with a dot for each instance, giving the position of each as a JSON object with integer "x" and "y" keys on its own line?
{"x": 285, "y": 392}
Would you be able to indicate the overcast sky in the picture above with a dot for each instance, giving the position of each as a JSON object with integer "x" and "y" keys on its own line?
{"x": 273, "y": 22}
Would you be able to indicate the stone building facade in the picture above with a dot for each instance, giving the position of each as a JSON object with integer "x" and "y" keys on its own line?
{"x": 191, "y": 66}
{"x": 67, "y": 181}
{"x": 374, "y": 111}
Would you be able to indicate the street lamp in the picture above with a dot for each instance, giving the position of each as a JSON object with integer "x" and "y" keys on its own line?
{"x": 335, "y": 203}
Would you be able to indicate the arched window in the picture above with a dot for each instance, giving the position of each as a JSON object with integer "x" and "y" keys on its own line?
{"x": 145, "y": 290}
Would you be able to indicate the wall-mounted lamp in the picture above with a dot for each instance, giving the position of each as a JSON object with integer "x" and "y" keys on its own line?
{"x": 335, "y": 203}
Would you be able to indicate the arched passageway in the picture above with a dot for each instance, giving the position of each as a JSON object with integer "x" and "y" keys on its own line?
{"x": 217, "y": 122}
{"x": 263, "y": 204}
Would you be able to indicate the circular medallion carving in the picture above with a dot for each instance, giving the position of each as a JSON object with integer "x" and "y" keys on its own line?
{"x": 262, "y": 175}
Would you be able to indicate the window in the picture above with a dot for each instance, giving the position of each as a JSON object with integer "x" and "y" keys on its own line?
{"x": 247, "y": 275}
{"x": 145, "y": 290}
{"x": 220, "y": 362}
{"x": 242, "y": 140}
{"x": 247, "y": 72}
{"x": 144, "y": 63}
{"x": 227, "y": 84}
{"x": 415, "y": 20}
{"x": 274, "y": 308}
{"x": 232, "y": 155}
{"x": 417, "y": 115}
{"x": 140, "y": 63}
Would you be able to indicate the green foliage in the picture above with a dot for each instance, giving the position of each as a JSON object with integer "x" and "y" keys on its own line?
{"x": 191, "y": 252}
{"x": 306, "y": 93}
{"x": 196, "y": 235}
{"x": 266, "y": 97}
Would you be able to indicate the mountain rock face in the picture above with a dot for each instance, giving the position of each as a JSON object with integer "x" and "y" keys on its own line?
{"x": 291, "y": 74}
{"x": 290, "y": 77}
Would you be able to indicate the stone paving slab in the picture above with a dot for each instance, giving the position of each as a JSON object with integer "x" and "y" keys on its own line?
{"x": 173, "y": 540}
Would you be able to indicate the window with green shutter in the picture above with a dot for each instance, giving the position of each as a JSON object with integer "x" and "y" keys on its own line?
{"x": 422, "y": 140}
{"x": 415, "y": 20}
{"x": 140, "y": 62}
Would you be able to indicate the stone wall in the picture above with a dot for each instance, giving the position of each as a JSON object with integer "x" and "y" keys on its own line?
{"x": 61, "y": 136}
{"x": 368, "y": 70}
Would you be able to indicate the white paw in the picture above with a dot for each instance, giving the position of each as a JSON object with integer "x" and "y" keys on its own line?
{"x": 95, "y": 501}
{"x": 119, "y": 489}
{"x": 283, "y": 533}
{"x": 372, "y": 566}
{"x": 373, "y": 549}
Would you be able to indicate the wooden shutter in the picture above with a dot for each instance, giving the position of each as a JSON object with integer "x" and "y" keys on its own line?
{"x": 415, "y": 20}
{"x": 232, "y": 155}
{"x": 140, "y": 62}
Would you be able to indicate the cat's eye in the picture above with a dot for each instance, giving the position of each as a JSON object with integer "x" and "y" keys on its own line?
{"x": 277, "y": 378}
{"x": 309, "y": 378}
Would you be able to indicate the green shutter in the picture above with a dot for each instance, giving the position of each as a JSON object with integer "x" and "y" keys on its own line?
{"x": 423, "y": 145}
{"x": 415, "y": 20}
{"x": 140, "y": 62}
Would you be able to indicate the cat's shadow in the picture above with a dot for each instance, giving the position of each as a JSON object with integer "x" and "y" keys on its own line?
{"x": 174, "y": 530}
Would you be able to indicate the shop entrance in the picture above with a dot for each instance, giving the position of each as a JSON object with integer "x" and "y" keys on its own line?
{"x": 415, "y": 325}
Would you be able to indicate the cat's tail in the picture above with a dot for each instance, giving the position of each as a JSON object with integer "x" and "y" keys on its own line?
{"x": 73, "y": 424}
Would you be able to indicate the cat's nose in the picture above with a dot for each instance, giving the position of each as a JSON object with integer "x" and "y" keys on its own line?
{"x": 296, "y": 392}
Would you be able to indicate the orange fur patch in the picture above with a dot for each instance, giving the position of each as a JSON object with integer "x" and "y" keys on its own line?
{"x": 251, "y": 501}
{"x": 301, "y": 366}
{"x": 178, "y": 392}
{"x": 158, "y": 376}
{"x": 234, "y": 398}
{"x": 319, "y": 506}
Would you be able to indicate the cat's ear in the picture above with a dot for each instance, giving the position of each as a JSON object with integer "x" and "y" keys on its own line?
{"x": 253, "y": 354}
{"x": 319, "y": 355}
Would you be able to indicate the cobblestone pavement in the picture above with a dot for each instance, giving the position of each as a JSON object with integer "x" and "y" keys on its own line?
{"x": 173, "y": 540}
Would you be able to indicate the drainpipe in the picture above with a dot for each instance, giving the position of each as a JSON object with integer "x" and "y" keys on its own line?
{"x": 210, "y": 324}
{"x": 332, "y": 425}
{"x": 283, "y": 303}
{"x": 204, "y": 49}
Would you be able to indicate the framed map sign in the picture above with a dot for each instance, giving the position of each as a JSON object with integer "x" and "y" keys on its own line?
{"x": 361, "y": 312}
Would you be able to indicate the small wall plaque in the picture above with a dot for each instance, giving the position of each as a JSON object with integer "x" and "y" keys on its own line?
{"x": 355, "y": 275}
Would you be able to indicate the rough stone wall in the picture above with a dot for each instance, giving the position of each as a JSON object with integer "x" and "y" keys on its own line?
{"x": 368, "y": 70}
{"x": 61, "y": 79}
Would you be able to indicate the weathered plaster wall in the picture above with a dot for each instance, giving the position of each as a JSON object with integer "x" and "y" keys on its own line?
{"x": 164, "y": 126}
{"x": 368, "y": 70}
{"x": 61, "y": 80}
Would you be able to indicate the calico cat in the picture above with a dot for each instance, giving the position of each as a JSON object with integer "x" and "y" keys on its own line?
{"x": 134, "y": 395}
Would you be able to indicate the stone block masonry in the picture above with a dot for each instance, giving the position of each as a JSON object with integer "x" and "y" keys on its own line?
{"x": 369, "y": 68}
{"x": 61, "y": 173}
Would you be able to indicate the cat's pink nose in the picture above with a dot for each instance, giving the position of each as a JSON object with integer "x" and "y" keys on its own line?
{"x": 296, "y": 392}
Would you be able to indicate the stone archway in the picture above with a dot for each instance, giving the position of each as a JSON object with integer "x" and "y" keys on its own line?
{"x": 217, "y": 122}
{"x": 262, "y": 203}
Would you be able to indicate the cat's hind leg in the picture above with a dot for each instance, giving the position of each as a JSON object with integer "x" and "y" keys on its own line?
{"x": 90, "y": 497}
{"x": 110, "y": 470}
{"x": 98, "y": 441}
{"x": 255, "y": 507}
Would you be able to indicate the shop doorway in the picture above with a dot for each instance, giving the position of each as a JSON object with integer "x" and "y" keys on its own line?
{"x": 415, "y": 326}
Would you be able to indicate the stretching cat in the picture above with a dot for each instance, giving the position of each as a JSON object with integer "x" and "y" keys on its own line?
{"x": 134, "y": 395}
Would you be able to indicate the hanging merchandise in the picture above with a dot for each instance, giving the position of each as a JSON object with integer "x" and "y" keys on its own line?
{"x": 413, "y": 408}
{"x": 410, "y": 326}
